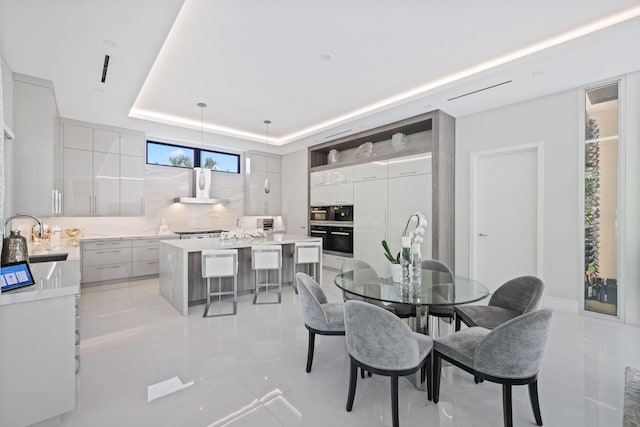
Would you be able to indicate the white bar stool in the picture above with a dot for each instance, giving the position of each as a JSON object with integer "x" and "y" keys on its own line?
{"x": 267, "y": 257}
{"x": 309, "y": 254}
{"x": 220, "y": 263}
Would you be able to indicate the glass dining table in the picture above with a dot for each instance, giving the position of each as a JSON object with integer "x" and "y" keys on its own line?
{"x": 437, "y": 289}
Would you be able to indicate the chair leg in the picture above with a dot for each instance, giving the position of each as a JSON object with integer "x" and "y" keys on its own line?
{"x": 394, "y": 401}
{"x": 362, "y": 373}
{"x": 506, "y": 405}
{"x": 437, "y": 365}
{"x": 353, "y": 378}
{"x": 458, "y": 323}
{"x": 429, "y": 370}
{"x": 312, "y": 342}
{"x": 535, "y": 403}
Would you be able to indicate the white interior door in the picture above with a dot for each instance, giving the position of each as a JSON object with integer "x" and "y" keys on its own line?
{"x": 506, "y": 201}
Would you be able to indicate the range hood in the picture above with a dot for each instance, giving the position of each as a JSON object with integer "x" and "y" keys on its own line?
{"x": 201, "y": 190}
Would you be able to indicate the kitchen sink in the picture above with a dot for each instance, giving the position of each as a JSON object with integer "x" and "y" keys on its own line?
{"x": 60, "y": 256}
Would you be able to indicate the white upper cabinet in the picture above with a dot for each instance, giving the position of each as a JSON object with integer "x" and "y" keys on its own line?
{"x": 319, "y": 178}
{"x": 340, "y": 175}
{"x": 106, "y": 141}
{"x": 131, "y": 185}
{"x": 78, "y": 137}
{"x": 258, "y": 167}
{"x": 78, "y": 182}
{"x": 341, "y": 194}
{"x": 320, "y": 195}
{"x": 132, "y": 144}
{"x": 106, "y": 184}
{"x": 370, "y": 171}
{"x": 410, "y": 165}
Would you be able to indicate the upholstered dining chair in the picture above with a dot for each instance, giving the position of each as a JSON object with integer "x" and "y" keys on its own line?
{"x": 510, "y": 355}
{"x": 380, "y": 342}
{"x": 366, "y": 270}
{"x": 442, "y": 311}
{"x": 515, "y": 297}
{"x": 320, "y": 316}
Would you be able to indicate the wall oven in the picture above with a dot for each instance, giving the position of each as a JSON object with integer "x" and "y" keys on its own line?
{"x": 336, "y": 240}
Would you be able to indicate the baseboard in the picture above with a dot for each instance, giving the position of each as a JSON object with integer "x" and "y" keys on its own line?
{"x": 560, "y": 304}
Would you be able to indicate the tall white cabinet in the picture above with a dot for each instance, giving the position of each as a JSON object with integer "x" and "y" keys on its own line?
{"x": 103, "y": 170}
{"x": 391, "y": 179}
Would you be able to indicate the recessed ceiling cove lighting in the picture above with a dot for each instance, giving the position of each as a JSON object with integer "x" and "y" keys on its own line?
{"x": 327, "y": 56}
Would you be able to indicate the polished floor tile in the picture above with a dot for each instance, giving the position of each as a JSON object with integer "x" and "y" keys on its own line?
{"x": 249, "y": 370}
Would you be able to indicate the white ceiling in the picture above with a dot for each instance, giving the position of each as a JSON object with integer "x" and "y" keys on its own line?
{"x": 252, "y": 60}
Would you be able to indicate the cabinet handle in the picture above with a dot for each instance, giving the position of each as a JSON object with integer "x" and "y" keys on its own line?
{"x": 95, "y": 205}
{"x": 108, "y": 266}
{"x": 408, "y": 173}
{"x": 103, "y": 243}
{"x": 369, "y": 177}
{"x": 152, "y": 249}
{"x": 318, "y": 232}
{"x": 53, "y": 202}
{"x": 109, "y": 252}
{"x": 90, "y": 205}
{"x": 340, "y": 233}
{"x": 59, "y": 203}
{"x": 153, "y": 262}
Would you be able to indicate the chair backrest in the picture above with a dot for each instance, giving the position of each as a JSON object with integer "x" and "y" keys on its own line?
{"x": 219, "y": 262}
{"x": 436, "y": 265}
{"x": 312, "y": 297}
{"x": 522, "y": 294}
{"x": 266, "y": 257}
{"x": 446, "y": 291}
{"x": 515, "y": 348}
{"x": 378, "y": 338}
{"x": 363, "y": 270}
{"x": 308, "y": 252}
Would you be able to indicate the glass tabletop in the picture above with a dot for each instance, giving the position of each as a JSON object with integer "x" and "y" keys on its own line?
{"x": 437, "y": 288}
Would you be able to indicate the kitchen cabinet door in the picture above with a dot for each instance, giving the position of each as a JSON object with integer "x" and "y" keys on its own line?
{"x": 132, "y": 144}
{"x": 341, "y": 194}
{"x": 410, "y": 165}
{"x": 106, "y": 141}
{"x": 255, "y": 196}
{"x": 106, "y": 184}
{"x": 78, "y": 137}
{"x": 320, "y": 195}
{"x": 78, "y": 182}
{"x": 131, "y": 186}
{"x": 370, "y": 171}
{"x": 370, "y": 223}
{"x": 407, "y": 195}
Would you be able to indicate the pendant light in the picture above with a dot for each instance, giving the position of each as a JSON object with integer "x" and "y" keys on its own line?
{"x": 201, "y": 179}
{"x": 267, "y": 184}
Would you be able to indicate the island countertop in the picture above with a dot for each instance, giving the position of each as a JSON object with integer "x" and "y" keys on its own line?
{"x": 195, "y": 245}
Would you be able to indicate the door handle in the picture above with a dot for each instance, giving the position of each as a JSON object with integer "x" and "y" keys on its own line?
{"x": 482, "y": 235}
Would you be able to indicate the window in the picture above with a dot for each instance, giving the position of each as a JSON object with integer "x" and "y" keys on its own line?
{"x": 163, "y": 154}
{"x": 218, "y": 161}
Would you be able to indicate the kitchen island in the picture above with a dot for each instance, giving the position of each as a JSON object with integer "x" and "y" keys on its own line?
{"x": 181, "y": 281}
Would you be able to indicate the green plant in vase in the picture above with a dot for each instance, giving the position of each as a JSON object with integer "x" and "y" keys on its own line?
{"x": 396, "y": 269}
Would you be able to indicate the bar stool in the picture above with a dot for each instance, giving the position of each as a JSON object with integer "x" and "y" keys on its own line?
{"x": 267, "y": 257}
{"x": 220, "y": 263}
{"x": 309, "y": 254}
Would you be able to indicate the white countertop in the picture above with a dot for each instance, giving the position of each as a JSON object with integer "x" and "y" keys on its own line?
{"x": 193, "y": 245}
{"x": 53, "y": 279}
{"x": 131, "y": 237}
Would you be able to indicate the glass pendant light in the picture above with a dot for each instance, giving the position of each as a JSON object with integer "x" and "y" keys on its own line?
{"x": 267, "y": 185}
{"x": 201, "y": 179}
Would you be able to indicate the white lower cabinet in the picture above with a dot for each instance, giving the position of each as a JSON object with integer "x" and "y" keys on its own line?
{"x": 123, "y": 259}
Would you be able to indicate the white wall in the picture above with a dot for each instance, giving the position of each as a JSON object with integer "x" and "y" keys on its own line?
{"x": 554, "y": 121}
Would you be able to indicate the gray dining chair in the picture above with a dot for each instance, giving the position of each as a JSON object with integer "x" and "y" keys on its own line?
{"x": 514, "y": 298}
{"x": 510, "y": 355}
{"x": 442, "y": 311}
{"x": 320, "y": 316}
{"x": 380, "y": 342}
{"x": 367, "y": 271}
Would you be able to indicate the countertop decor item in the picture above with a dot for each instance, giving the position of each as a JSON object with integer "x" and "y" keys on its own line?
{"x": 14, "y": 248}
{"x": 397, "y": 141}
{"x": 364, "y": 151}
{"x": 333, "y": 156}
{"x": 72, "y": 232}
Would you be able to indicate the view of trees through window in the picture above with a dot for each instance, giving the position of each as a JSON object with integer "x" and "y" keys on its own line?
{"x": 163, "y": 154}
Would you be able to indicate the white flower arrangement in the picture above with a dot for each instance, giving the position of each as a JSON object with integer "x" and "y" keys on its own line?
{"x": 242, "y": 234}
{"x": 417, "y": 234}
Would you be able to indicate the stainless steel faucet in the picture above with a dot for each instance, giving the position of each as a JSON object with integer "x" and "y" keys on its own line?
{"x": 28, "y": 216}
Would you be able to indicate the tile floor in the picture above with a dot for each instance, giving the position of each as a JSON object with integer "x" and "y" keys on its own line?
{"x": 248, "y": 370}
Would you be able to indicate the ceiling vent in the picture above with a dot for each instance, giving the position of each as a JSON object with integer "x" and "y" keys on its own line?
{"x": 105, "y": 65}
{"x": 603, "y": 94}
{"x": 479, "y": 90}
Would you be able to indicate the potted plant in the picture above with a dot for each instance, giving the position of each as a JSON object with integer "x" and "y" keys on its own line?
{"x": 396, "y": 268}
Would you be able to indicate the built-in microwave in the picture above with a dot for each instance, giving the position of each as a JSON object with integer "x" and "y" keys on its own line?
{"x": 331, "y": 214}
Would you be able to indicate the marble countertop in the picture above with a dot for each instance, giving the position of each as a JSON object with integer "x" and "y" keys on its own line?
{"x": 48, "y": 247}
{"x": 53, "y": 279}
{"x": 129, "y": 237}
{"x": 192, "y": 245}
